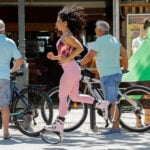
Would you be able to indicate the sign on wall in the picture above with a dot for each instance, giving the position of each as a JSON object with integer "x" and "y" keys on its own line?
{"x": 134, "y": 25}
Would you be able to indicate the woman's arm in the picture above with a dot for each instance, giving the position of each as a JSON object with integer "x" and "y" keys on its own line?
{"x": 51, "y": 56}
{"x": 88, "y": 57}
{"x": 73, "y": 42}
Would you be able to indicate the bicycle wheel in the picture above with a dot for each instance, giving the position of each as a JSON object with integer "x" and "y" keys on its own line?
{"x": 74, "y": 109}
{"x": 32, "y": 110}
{"x": 130, "y": 118}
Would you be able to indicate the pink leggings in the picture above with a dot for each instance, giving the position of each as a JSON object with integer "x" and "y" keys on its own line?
{"x": 69, "y": 85}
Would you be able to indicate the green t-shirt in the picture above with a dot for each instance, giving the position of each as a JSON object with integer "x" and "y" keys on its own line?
{"x": 108, "y": 55}
{"x": 139, "y": 63}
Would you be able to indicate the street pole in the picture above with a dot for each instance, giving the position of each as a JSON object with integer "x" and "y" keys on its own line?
{"x": 116, "y": 19}
{"x": 21, "y": 20}
{"x": 21, "y": 81}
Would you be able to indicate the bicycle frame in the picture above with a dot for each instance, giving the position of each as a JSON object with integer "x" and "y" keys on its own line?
{"x": 16, "y": 92}
{"x": 97, "y": 93}
{"x": 25, "y": 112}
{"x": 89, "y": 81}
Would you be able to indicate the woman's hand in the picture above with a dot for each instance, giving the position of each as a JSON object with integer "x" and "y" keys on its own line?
{"x": 50, "y": 55}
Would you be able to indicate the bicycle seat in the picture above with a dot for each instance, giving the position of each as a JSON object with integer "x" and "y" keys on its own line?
{"x": 87, "y": 73}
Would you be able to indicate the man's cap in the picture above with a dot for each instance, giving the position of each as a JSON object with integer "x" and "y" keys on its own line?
{"x": 2, "y": 25}
{"x": 103, "y": 25}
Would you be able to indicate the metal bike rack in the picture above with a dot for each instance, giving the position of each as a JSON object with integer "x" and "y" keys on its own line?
{"x": 92, "y": 117}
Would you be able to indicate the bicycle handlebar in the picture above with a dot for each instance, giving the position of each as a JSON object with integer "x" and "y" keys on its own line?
{"x": 88, "y": 73}
{"x": 125, "y": 71}
{"x": 16, "y": 74}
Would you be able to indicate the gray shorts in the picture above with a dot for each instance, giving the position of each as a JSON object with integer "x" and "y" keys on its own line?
{"x": 4, "y": 92}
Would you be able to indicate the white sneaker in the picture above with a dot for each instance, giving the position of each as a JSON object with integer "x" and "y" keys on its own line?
{"x": 103, "y": 105}
{"x": 57, "y": 126}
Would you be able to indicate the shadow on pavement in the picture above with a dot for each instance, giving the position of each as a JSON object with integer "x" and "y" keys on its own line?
{"x": 84, "y": 140}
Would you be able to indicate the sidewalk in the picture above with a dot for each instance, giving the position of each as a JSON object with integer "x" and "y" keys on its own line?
{"x": 81, "y": 139}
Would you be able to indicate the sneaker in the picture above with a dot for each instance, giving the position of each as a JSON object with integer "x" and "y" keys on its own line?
{"x": 111, "y": 131}
{"x": 57, "y": 126}
{"x": 6, "y": 136}
{"x": 103, "y": 106}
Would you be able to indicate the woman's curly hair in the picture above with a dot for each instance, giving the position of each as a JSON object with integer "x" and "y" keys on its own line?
{"x": 146, "y": 23}
{"x": 75, "y": 18}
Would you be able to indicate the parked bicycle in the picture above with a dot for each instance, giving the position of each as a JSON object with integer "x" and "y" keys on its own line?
{"x": 30, "y": 108}
{"x": 131, "y": 103}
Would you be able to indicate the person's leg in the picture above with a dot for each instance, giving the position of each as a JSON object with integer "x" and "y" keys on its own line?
{"x": 147, "y": 112}
{"x": 4, "y": 103}
{"x": 147, "y": 116}
{"x": 110, "y": 86}
{"x": 76, "y": 97}
{"x": 5, "y": 118}
{"x": 114, "y": 111}
{"x": 64, "y": 88}
{"x": 66, "y": 83}
{"x": 84, "y": 98}
{"x": 139, "y": 122}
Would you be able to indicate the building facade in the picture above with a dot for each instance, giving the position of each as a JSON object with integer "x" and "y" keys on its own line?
{"x": 40, "y": 18}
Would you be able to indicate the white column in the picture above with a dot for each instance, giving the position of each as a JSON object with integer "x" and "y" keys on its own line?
{"x": 21, "y": 27}
{"x": 22, "y": 81}
{"x": 116, "y": 19}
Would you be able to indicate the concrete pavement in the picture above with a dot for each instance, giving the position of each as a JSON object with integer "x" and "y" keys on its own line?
{"x": 81, "y": 139}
